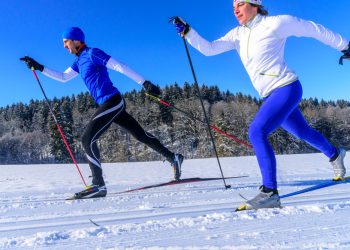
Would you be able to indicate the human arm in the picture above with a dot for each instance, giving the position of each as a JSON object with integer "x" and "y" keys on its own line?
{"x": 65, "y": 76}
{"x": 293, "y": 26}
{"x": 218, "y": 46}
{"x": 221, "y": 45}
{"x": 59, "y": 76}
{"x": 125, "y": 70}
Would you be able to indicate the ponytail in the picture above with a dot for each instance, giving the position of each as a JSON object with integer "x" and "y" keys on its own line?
{"x": 261, "y": 10}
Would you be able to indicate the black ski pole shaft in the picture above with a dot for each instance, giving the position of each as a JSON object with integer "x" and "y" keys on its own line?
{"x": 59, "y": 127}
{"x": 197, "y": 119}
{"x": 205, "y": 113}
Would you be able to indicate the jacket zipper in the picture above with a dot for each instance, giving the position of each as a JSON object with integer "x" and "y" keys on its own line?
{"x": 250, "y": 31}
{"x": 269, "y": 74}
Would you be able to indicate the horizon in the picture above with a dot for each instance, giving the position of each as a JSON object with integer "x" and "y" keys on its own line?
{"x": 168, "y": 85}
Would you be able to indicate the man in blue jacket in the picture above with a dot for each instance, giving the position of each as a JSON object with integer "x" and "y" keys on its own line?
{"x": 92, "y": 65}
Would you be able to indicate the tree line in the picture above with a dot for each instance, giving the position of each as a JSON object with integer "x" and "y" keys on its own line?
{"x": 29, "y": 135}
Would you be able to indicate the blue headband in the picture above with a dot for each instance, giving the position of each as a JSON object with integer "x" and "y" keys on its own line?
{"x": 257, "y": 2}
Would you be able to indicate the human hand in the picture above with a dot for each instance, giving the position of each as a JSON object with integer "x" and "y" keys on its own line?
{"x": 151, "y": 88}
{"x": 346, "y": 55}
{"x": 32, "y": 64}
{"x": 181, "y": 26}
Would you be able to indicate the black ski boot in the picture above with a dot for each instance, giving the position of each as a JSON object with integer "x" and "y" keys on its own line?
{"x": 93, "y": 191}
{"x": 96, "y": 190}
{"x": 177, "y": 162}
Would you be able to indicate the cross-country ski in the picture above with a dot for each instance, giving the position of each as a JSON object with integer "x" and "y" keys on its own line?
{"x": 169, "y": 183}
{"x": 323, "y": 184}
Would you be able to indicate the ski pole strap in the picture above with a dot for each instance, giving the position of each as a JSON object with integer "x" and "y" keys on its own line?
{"x": 158, "y": 99}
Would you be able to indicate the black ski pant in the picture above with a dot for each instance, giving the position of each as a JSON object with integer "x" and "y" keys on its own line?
{"x": 113, "y": 110}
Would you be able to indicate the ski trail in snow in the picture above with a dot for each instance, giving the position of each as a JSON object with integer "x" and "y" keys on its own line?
{"x": 190, "y": 225}
{"x": 182, "y": 216}
{"x": 173, "y": 211}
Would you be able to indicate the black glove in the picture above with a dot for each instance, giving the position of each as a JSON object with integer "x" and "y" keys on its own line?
{"x": 181, "y": 26}
{"x": 346, "y": 55}
{"x": 31, "y": 63}
{"x": 151, "y": 88}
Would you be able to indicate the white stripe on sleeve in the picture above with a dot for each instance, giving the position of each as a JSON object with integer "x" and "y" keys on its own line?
{"x": 125, "y": 70}
{"x": 65, "y": 76}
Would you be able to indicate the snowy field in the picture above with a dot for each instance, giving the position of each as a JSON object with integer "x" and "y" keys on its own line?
{"x": 35, "y": 215}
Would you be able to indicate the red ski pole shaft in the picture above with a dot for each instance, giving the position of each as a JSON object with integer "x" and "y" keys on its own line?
{"x": 59, "y": 127}
{"x": 197, "y": 119}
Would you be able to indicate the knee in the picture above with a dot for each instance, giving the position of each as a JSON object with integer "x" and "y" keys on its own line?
{"x": 256, "y": 133}
{"x": 86, "y": 139}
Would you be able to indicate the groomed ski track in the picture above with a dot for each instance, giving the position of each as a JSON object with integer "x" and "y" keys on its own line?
{"x": 182, "y": 213}
{"x": 192, "y": 214}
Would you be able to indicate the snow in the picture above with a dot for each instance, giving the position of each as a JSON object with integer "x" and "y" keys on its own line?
{"x": 35, "y": 215}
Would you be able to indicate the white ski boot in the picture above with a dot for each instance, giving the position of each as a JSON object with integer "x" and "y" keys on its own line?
{"x": 267, "y": 198}
{"x": 338, "y": 165}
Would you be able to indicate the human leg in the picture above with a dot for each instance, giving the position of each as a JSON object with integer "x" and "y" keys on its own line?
{"x": 273, "y": 112}
{"x": 126, "y": 121}
{"x": 296, "y": 125}
{"x": 100, "y": 122}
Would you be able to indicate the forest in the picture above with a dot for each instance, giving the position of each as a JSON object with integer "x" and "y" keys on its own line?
{"x": 29, "y": 135}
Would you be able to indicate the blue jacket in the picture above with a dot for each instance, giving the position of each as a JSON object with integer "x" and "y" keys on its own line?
{"x": 91, "y": 65}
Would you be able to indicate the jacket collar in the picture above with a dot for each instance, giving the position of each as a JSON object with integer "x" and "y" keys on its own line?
{"x": 253, "y": 22}
{"x": 81, "y": 49}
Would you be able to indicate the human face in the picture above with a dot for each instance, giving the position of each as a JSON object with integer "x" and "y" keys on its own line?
{"x": 71, "y": 46}
{"x": 244, "y": 12}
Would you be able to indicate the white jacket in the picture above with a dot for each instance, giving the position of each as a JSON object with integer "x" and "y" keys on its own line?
{"x": 260, "y": 44}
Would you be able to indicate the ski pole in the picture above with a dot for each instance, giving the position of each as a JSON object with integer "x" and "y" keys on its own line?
{"x": 205, "y": 113}
{"x": 197, "y": 119}
{"x": 58, "y": 126}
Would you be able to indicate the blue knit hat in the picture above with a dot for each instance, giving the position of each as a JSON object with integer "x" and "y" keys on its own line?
{"x": 74, "y": 33}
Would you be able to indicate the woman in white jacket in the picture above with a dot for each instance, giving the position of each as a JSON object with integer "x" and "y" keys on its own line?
{"x": 260, "y": 42}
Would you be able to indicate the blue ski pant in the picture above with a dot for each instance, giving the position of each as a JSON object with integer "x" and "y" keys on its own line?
{"x": 280, "y": 109}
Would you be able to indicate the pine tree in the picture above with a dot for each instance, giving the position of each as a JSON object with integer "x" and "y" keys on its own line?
{"x": 28, "y": 133}
{"x": 57, "y": 146}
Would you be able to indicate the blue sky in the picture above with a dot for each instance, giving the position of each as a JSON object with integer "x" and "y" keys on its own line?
{"x": 137, "y": 33}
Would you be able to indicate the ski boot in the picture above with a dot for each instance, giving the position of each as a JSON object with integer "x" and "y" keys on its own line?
{"x": 93, "y": 191}
{"x": 177, "y": 162}
{"x": 267, "y": 198}
{"x": 338, "y": 165}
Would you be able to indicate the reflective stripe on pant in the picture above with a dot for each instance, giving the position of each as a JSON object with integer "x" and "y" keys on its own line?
{"x": 100, "y": 122}
{"x": 114, "y": 111}
{"x": 280, "y": 109}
